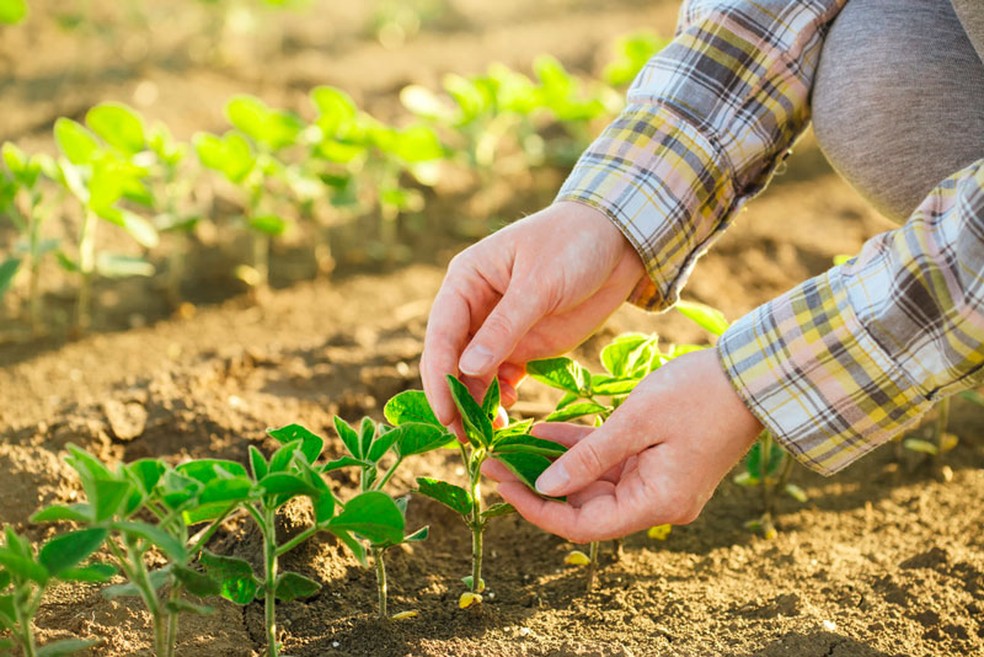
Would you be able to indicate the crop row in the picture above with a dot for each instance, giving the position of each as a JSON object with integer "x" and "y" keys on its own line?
{"x": 281, "y": 169}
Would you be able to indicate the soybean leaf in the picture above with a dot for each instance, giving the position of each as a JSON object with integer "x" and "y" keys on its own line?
{"x": 418, "y": 536}
{"x": 527, "y": 467}
{"x": 110, "y": 495}
{"x": 490, "y": 403}
{"x": 324, "y": 503}
{"x": 357, "y": 548}
{"x": 293, "y": 586}
{"x": 517, "y": 428}
{"x": 236, "y": 580}
{"x": 335, "y": 107}
{"x": 615, "y": 356}
{"x": 171, "y": 546}
{"x": 478, "y": 426}
{"x": 229, "y": 154}
{"x": 383, "y": 441}
{"x": 613, "y": 387}
{"x": 753, "y": 461}
{"x": 65, "y": 647}
{"x": 498, "y": 509}
{"x": 710, "y": 319}
{"x": 208, "y": 470}
{"x": 311, "y": 443}
{"x": 417, "y": 438}
{"x": 224, "y": 491}
{"x": 22, "y": 566}
{"x": 349, "y": 437}
{"x": 562, "y": 373}
{"x": 119, "y": 126}
{"x": 284, "y": 484}
{"x": 372, "y": 515}
{"x": 13, "y": 11}
{"x": 367, "y": 432}
{"x": 68, "y": 550}
{"x": 527, "y": 444}
{"x": 284, "y": 456}
{"x": 145, "y": 473}
{"x": 76, "y": 143}
{"x": 98, "y": 573}
{"x": 409, "y": 406}
{"x": 158, "y": 578}
{"x": 82, "y": 513}
{"x": 257, "y": 463}
{"x": 197, "y": 583}
{"x": 345, "y": 462}
{"x": 575, "y": 411}
{"x": 8, "y": 269}
{"x": 274, "y": 129}
{"x": 454, "y": 497}
{"x": 269, "y": 224}
{"x": 181, "y": 605}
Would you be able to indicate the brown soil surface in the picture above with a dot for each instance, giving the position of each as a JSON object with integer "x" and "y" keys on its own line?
{"x": 884, "y": 560}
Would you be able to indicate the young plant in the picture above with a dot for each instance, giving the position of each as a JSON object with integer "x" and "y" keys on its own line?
{"x": 524, "y": 455}
{"x": 147, "y": 507}
{"x": 21, "y": 198}
{"x": 12, "y": 11}
{"x": 290, "y": 473}
{"x": 371, "y": 444}
{"x": 24, "y": 576}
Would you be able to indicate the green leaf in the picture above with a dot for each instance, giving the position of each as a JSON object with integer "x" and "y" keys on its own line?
{"x": 225, "y": 491}
{"x": 478, "y": 426}
{"x": 169, "y": 545}
{"x": 621, "y": 355}
{"x": 181, "y": 606}
{"x": 237, "y": 583}
{"x": 197, "y": 583}
{"x": 561, "y": 373}
{"x": 22, "y": 567}
{"x": 284, "y": 456}
{"x": 230, "y": 154}
{"x": 527, "y": 467}
{"x": 273, "y": 129}
{"x": 753, "y": 460}
{"x": 335, "y": 108}
{"x": 710, "y": 319}
{"x": 66, "y": 647}
{"x": 349, "y": 436}
{"x": 208, "y": 470}
{"x": 8, "y": 269}
{"x": 97, "y": 573}
{"x": 110, "y": 496}
{"x": 311, "y": 443}
{"x": 381, "y": 444}
{"x": 492, "y": 399}
{"x": 410, "y": 406}
{"x": 294, "y": 586}
{"x": 68, "y": 550}
{"x": 158, "y": 578}
{"x": 611, "y": 387}
{"x": 526, "y": 444}
{"x": 284, "y": 484}
{"x": 345, "y": 462}
{"x": 75, "y": 142}
{"x": 367, "y": 432}
{"x": 257, "y": 463}
{"x": 145, "y": 473}
{"x": 577, "y": 410}
{"x": 12, "y": 11}
{"x": 119, "y": 126}
{"x": 82, "y": 513}
{"x": 417, "y": 438}
{"x": 498, "y": 509}
{"x": 454, "y": 497}
{"x": 355, "y": 546}
{"x": 269, "y": 224}
{"x": 420, "y": 535}
{"x": 372, "y": 515}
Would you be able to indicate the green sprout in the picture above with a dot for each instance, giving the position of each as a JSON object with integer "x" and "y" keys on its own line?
{"x": 12, "y": 11}
{"x": 524, "y": 455}
{"x": 371, "y": 444}
{"x": 25, "y": 575}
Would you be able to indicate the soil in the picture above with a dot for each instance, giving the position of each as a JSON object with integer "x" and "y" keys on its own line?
{"x": 884, "y": 559}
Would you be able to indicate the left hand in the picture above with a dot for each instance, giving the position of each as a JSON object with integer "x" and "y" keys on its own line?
{"x": 656, "y": 460}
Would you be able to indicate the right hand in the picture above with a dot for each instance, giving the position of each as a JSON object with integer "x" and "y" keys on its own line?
{"x": 534, "y": 289}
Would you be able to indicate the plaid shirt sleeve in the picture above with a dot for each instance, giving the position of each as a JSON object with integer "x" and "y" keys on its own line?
{"x": 848, "y": 359}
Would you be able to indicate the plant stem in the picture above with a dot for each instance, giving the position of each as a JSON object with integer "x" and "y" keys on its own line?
{"x": 389, "y": 474}
{"x": 87, "y": 265}
{"x": 172, "y": 622}
{"x": 297, "y": 540}
{"x": 261, "y": 258}
{"x": 23, "y": 620}
{"x": 478, "y": 529}
{"x": 382, "y": 589}
{"x": 766, "y": 453}
{"x": 942, "y": 421}
{"x": 270, "y": 578}
{"x": 35, "y": 287}
{"x": 592, "y": 564}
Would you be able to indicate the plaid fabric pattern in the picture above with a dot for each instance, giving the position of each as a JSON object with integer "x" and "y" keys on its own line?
{"x": 848, "y": 359}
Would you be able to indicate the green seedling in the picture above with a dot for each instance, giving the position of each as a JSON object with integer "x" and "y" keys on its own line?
{"x": 144, "y": 508}
{"x": 22, "y": 199}
{"x": 524, "y": 455}
{"x": 101, "y": 179}
{"x": 290, "y": 472}
{"x": 631, "y": 53}
{"x": 370, "y": 445}
{"x": 24, "y": 576}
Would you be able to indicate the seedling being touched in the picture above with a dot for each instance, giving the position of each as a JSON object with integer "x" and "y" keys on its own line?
{"x": 524, "y": 455}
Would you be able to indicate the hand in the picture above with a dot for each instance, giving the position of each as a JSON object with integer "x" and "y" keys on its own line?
{"x": 534, "y": 289}
{"x": 656, "y": 460}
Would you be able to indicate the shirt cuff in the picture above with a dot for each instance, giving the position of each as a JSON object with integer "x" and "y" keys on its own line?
{"x": 807, "y": 368}
{"x": 667, "y": 187}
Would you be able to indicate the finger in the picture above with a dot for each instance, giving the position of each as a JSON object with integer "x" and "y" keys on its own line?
{"x": 497, "y": 472}
{"x": 593, "y": 456}
{"x": 511, "y": 319}
{"x": 599, "y": 518}
{"x": 567, "y": 434}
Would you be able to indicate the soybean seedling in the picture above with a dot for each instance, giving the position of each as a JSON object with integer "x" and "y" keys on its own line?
{"x": 371, "y": 444}
{"x": 21, "y": 198}
{"x": 24, "y": 576}
{"x": 524, "y": 455}
{"x": 12, "y": 11}
{"x": 147, "y": 507}
{"x": 288, "y": 474}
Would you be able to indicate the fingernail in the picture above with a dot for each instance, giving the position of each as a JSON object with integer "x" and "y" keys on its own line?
{"x": 553, "y": 479}
{"x": 475, "y": 361}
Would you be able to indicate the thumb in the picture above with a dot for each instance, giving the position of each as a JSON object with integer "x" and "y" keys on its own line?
{"x": 588, "y": 460}
{"x": 507, "y": 324}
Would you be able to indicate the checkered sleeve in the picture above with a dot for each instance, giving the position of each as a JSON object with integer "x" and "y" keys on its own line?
{"x": 707, "y": 121}
{"x": 853, "y": 357}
